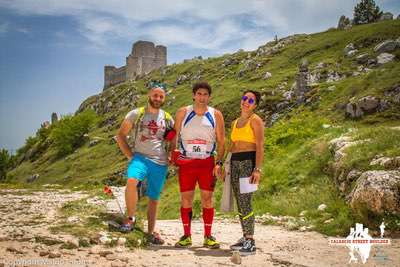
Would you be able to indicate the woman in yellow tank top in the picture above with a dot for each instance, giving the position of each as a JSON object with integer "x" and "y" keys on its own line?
{"x": 247, "y": 148}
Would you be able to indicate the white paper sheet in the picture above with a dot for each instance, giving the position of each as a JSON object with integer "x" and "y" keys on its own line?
{"x": 246, "y": 186}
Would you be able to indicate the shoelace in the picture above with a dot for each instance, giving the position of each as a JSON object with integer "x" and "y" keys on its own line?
{"x": 247, "y": 244}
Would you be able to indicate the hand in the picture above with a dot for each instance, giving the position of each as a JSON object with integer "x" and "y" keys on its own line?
{"x": 170, "y": 160}
{"x": 255, "y": 177}
{"x": 217, "y": 171}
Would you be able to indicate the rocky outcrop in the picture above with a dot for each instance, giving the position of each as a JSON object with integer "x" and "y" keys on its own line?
{"x": 350, "y": 50}
{"x": 374, "y": 190}
{"x": 54, "y": 118}
{"x": 394, "y": 94}
{"x": 302, "y": 82}
{"x": 387, "y": 46}
{"x": 365, "y": 105}
{"x": 378, "y": 191}
{"x": 386, "y": 162}
{"x": 384, "y": 58}
{"x": 344, "y": 23}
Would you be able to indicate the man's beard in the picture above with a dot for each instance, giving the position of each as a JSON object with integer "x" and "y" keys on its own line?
{"x": 155, "y": 104}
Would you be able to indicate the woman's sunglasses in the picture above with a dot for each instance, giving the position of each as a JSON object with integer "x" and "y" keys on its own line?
{"x": 248, "y": 99}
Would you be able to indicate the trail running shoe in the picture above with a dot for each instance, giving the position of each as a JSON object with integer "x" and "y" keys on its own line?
{"x": 239, "y": 244}
{"x": 210, "y": 242}
{"x": 249, "y": 247}
{"x": 128, "y": 226}
{"x": 155, "y": 239}
{"x": 184, "y": 242}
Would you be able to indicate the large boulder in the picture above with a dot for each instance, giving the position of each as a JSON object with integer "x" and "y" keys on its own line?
{"x": 369, "y": 104}
{"x": 384, "y": 58}
{"x": 353, "y": 111}
{"x": 386, "y": 46}
{"x": 364, "y": 105}
{"x": 394, "y": 93}
{"x": 350, "y": 50}
{"x": 386, "y": 162}
{"x": 363, "y": 58}
{"x": 378, "y": 191}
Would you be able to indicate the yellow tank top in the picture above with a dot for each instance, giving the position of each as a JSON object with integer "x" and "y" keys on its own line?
{"x": 245, "y": 134}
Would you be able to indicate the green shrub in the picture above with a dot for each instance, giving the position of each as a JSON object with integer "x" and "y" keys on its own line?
{"x": 68, "y": 133}
{"x": 5, "y": 163}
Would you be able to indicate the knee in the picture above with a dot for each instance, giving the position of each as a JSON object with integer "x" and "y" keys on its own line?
{"x": 207, "y": 202}
{"x": 186, "y": 203}
{"x": 131, "y": 183}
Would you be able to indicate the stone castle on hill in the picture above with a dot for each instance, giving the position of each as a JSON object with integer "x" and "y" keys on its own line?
{"x": 144, "y": 58}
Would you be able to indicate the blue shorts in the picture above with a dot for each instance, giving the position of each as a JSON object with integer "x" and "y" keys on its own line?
{"x": 141, "y": 167}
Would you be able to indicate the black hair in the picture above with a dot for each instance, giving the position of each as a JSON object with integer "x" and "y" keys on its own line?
{"x": 257, "y": 95}
{"x": 203, "y": 85}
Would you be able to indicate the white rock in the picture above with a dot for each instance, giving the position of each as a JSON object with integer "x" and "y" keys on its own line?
{"x": 384, "y": 58}
{"x": 322, "y": 207}
{"x": 121, "y": 241}
{"x": 303, "y": 213}
{"x": 104, "y": 240}
{"x": 236, "y": 259}
{"x": 267, "y": 75}
{"x": 73, "y": 219}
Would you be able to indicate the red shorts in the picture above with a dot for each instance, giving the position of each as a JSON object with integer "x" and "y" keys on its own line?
{"x": 197, "y": 170}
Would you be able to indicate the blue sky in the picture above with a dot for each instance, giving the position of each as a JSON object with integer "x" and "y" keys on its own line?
{"x": 53, "y": 51}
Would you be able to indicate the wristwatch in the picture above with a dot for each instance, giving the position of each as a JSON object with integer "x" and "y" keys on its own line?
{"x": 257, "y": 170}
{"x": 219, "y": 162}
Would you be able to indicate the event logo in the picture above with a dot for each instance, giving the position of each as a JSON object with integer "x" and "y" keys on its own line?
{"x": 360, "y": 243}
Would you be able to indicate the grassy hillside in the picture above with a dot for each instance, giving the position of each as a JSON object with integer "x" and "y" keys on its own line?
{"x": 296, "y": 176}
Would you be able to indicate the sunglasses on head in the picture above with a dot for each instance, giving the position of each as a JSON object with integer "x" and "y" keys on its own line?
{"x": 158, "y": 85}
{"x": 248, "y": 99}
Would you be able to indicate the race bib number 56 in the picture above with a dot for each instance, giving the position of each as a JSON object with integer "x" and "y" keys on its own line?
{"x": 197, "y": 149}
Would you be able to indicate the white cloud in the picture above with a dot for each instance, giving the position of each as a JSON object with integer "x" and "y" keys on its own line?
{"x": 207, "y": 24}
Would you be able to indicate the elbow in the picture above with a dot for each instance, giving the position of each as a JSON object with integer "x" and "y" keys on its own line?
{"x": 119, "y": 137}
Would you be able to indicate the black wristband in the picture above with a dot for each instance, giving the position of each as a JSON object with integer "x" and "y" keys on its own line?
{"x": 219, "y": 162}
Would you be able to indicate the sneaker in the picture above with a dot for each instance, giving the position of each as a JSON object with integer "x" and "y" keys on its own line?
{"x": 128, "y": 226}
{"x": 249, "y": 247}
{"x": 239, "y": 244}
{"x": 155, "y": 239}
{"x": 184, "y": 242}
{"x": 210, "y": 242}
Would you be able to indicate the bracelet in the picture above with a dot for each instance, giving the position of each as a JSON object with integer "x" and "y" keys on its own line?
{"x": 257, "y": 170}
{"x": 219, "y": 162}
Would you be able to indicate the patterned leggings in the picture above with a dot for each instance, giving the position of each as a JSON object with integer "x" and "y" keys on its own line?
{"x": 242, "y": 165}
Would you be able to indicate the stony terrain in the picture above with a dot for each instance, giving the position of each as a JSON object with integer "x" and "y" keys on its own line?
{"x": 25, "y": 240}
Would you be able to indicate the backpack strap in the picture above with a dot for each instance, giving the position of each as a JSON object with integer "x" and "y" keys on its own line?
{"x": 137, "y": 122}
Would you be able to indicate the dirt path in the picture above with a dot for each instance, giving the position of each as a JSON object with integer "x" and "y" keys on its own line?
{"x": 26, "y": 216}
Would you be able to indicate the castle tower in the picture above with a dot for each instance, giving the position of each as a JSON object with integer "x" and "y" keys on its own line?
{"x": 108, "y": 73}
{"x": 144, "y": 58}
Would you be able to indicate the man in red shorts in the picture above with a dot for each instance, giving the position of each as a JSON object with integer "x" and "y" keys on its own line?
{"x": 200, "y": 132}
